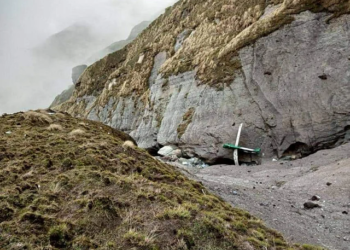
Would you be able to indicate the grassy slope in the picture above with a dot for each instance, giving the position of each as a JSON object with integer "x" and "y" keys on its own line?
{"x": 70, "y": 183}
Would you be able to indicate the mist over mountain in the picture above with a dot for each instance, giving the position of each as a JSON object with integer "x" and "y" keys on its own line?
{"x": 119, "y": 44}
{"x": 71, "y": 44}
{"x": 41, "y": 41}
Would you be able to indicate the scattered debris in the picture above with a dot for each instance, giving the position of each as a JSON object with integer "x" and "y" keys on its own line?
{"x": 345, "y": 212}
{"x": 193, "y": 162}
{"x": 274, "y": 159}
{"x": 8, "y": 132}
{"x": 290, "y": 157}
{"x": 235, "y": 147}
{"x": 311, "y": 205}
{"x": 234, "y": 192}
{"x": 328, "y": 183}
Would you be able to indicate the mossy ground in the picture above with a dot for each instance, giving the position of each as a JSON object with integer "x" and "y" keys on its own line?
{"x": 60, "y": 189}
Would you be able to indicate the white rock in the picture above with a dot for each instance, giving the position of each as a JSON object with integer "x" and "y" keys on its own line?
{"x": 167, "y": 150}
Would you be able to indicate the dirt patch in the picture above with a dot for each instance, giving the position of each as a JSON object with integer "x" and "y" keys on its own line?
{"x": 276, "y": 193}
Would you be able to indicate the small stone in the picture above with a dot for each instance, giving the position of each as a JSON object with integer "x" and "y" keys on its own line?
{"x": 315, "y": 198}
{"x": 264, "y": 205}
{"x": 274, "y": 187}
{"x": 323, "y": 77}
{"x": 345, "y": 212}
{"x": 235, "y": 193}
{"x": 311, "y": 205}
{"x": 8, "y": 132}
{"x": 328, "y": 184}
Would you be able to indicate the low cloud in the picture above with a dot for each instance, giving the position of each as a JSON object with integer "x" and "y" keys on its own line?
{"x": 31, "y": 81}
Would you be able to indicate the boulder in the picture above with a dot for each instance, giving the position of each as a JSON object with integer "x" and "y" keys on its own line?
{"x": 167, "y": 150}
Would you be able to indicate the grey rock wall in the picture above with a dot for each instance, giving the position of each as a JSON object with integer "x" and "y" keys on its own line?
{"x": 299, "y": 77}
{"x": 292, "y": 94}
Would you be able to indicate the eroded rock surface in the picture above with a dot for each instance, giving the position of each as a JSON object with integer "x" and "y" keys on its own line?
{"x": 292, "y": 94}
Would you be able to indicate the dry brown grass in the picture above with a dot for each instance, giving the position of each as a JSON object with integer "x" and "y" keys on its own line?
{"x": 57, "y": 194}
{"x": 55, "y": 127}
{"x": 35, "y": 117}
{"x": 128, "y": 144}
{"x": 77, "y": 132}
{"x": 186, "y": 120}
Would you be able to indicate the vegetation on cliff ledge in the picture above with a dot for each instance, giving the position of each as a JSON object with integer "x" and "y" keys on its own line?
{"x": 67, "y": 183}
{"x": 216, "y": 31}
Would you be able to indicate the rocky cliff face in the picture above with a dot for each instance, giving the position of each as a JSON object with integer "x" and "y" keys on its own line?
{"x": 79, "y": 70}
{"x": 279, "y": 67}
{"x": 119, "y": 44}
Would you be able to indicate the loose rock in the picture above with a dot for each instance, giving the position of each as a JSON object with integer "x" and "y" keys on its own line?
{"x": 167, "y": 150}
{"x": 311, "y": 205}
{"x": 315, "y": 198}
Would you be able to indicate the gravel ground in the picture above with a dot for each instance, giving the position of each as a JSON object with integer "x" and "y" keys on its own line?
{"x": 276, "y": 193}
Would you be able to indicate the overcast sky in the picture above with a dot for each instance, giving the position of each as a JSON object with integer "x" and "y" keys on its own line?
{"x": 26, "y": 83}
